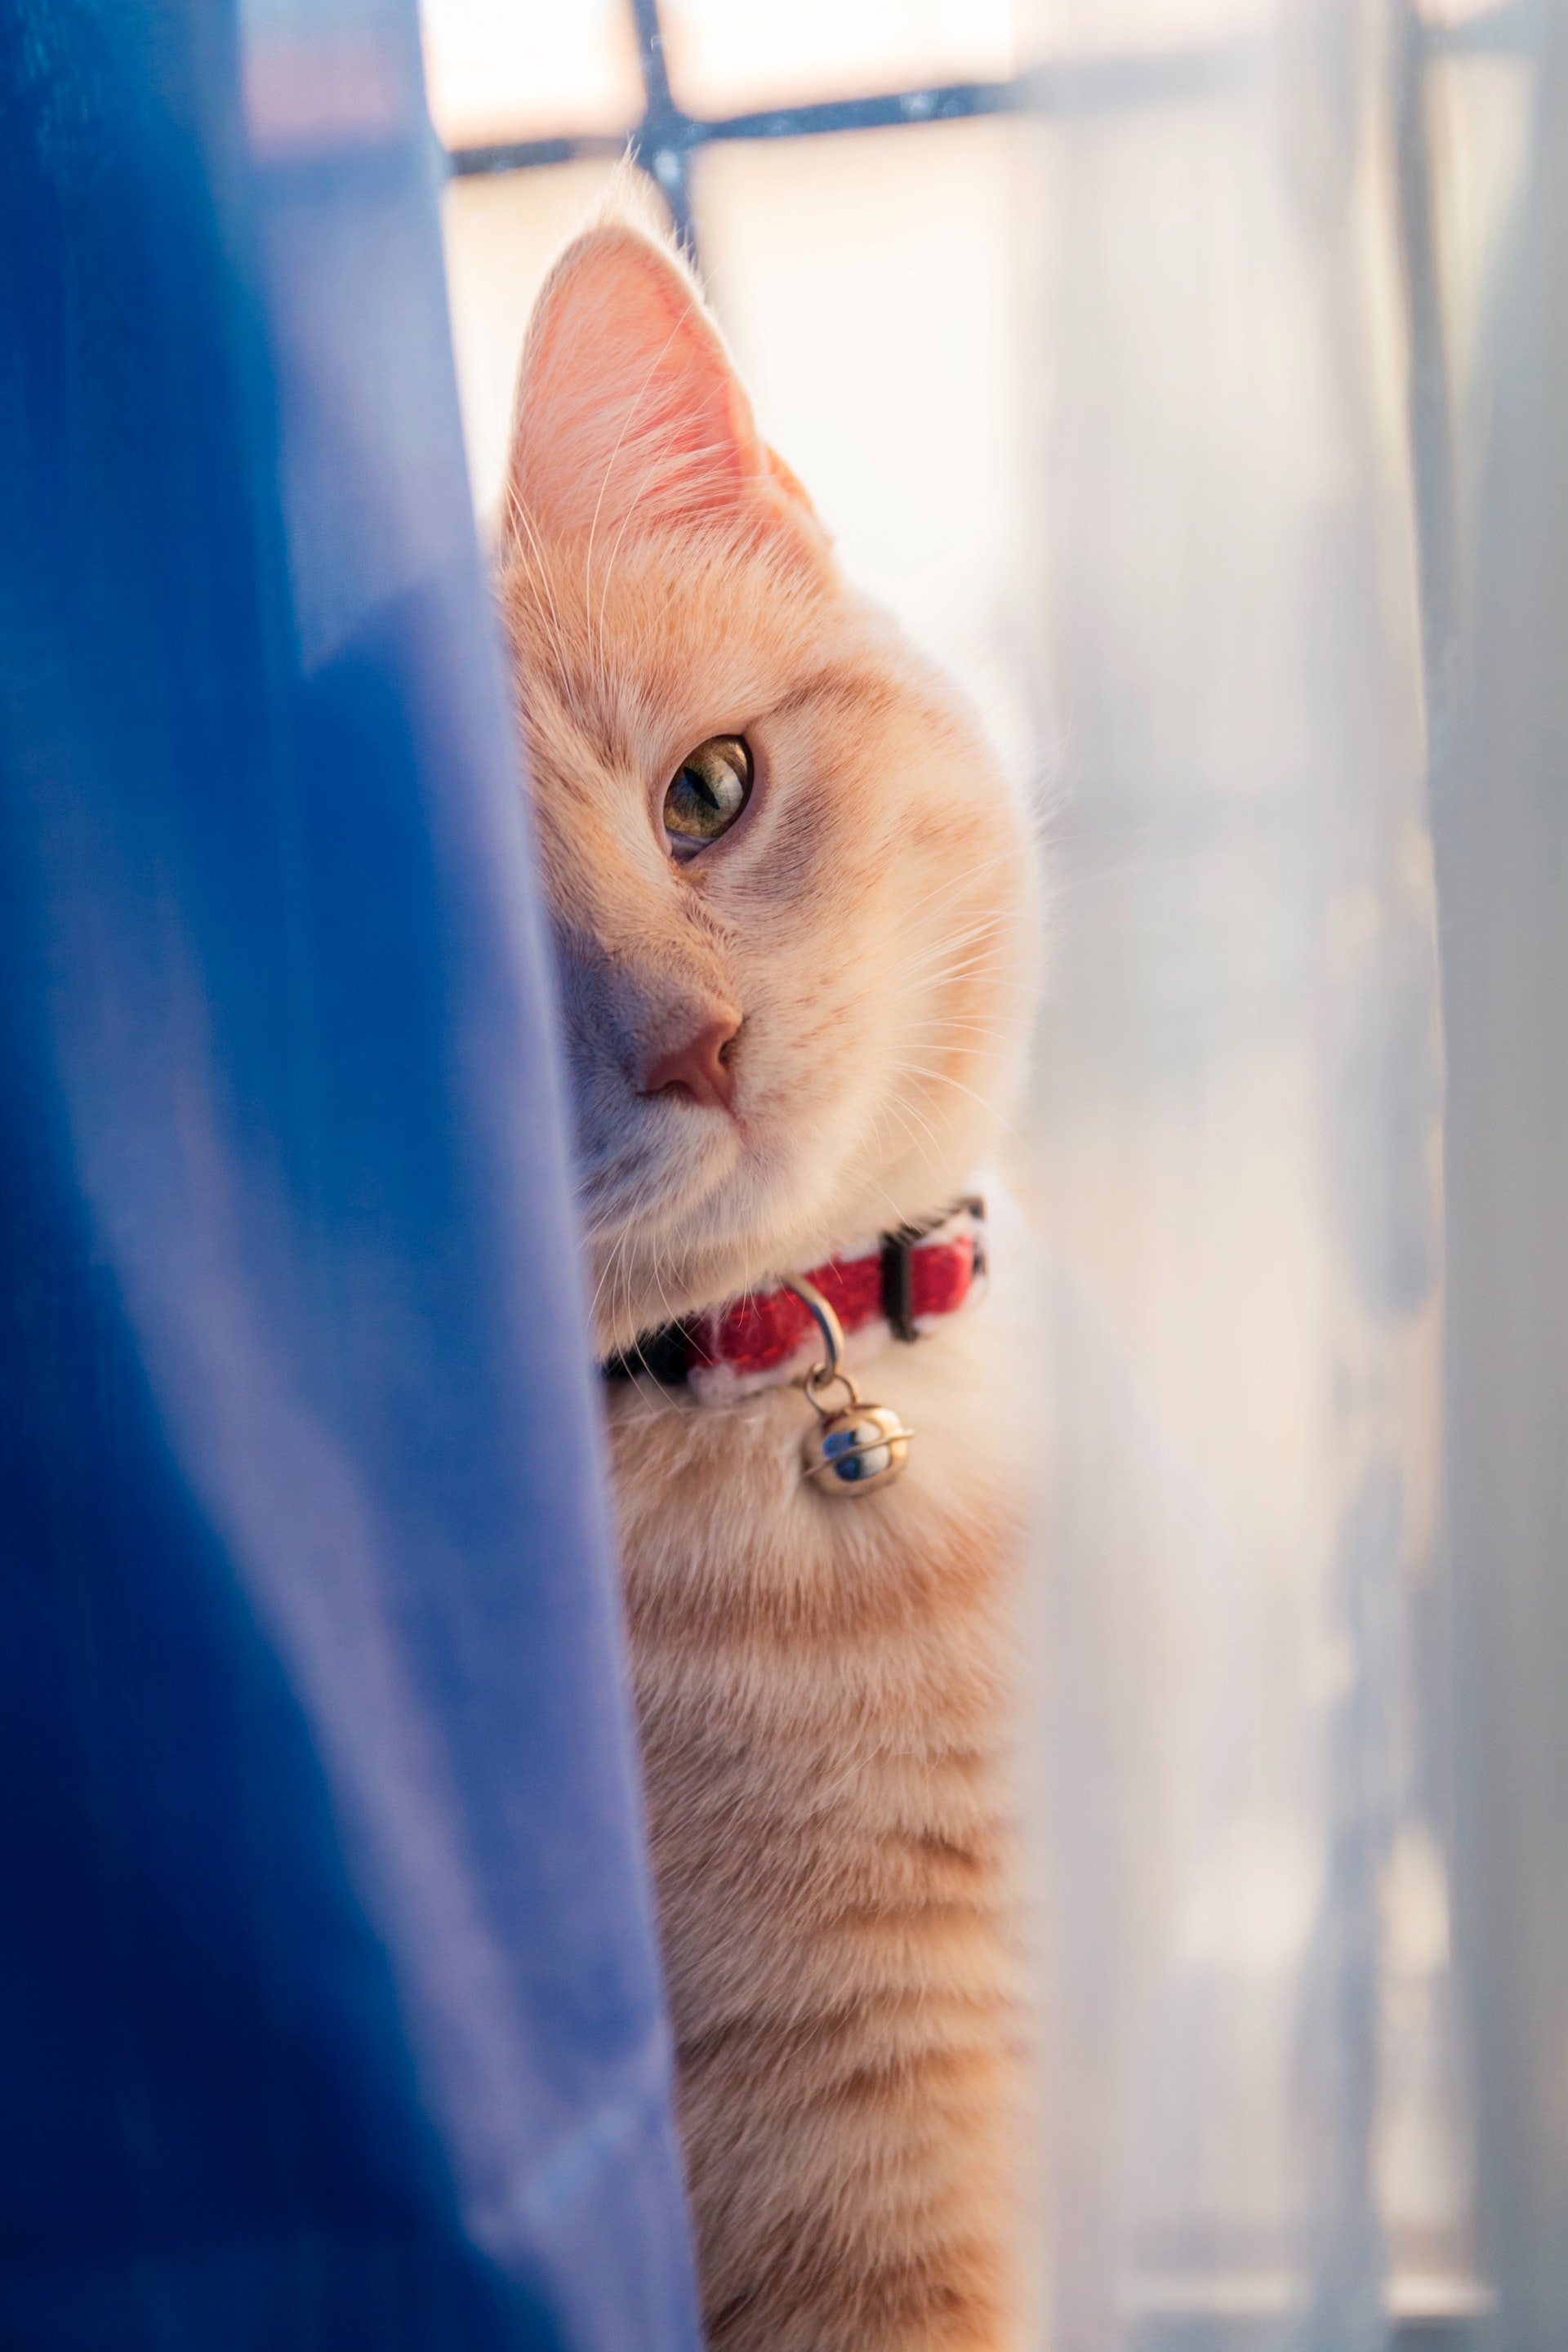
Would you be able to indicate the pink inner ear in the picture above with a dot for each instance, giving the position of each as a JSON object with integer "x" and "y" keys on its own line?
{"x": 627, "y": 406}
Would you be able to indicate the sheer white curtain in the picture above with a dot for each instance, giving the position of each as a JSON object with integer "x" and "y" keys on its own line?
{"x": 1300, "y": 359}
{"x": 1236, "y": 1157}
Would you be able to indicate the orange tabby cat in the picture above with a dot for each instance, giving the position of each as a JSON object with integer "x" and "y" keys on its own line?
{"x": 792, "y": 906}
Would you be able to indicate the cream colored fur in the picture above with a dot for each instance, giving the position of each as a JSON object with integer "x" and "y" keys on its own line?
{"x": 822, "y": 1688}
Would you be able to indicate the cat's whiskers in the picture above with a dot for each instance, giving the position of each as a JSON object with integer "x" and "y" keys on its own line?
{"x": 900, "y": 1109}
{"x": 967, "y": 981}
{"x": 924, "y": 1150}
{"x": 985, "y": 928}
{"x": 605, "y": 1276}
{"x": 945, "y": 1078}
{"x": 896, "y": 1211}
{"x": 945, "y": 1024}
{"x": 949, "y": 886}
{"x": 615, "y": 1275}
{"x": 943, "y": 950}
{"x": 623, "y": 1260}
{"x": 663, "y": 1255}
{"x": 520, "y": 514}
{"x": 965, "y": 966}
{"x": 982, "y": 948}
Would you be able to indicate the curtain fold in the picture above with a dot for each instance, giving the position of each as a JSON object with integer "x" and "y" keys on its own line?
{"x": 331, "y": 2013}
{"x": 1501, "y": 829}
{"x": 1258, "y": 2137}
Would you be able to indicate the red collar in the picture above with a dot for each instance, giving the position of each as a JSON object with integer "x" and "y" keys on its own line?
{"x": 899, "y": 1287}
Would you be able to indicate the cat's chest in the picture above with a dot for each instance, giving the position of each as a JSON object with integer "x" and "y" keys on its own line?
{"x": 721, "y": 1529}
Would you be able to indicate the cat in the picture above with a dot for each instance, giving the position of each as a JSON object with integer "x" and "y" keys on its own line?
{"x": 794, "y": 909}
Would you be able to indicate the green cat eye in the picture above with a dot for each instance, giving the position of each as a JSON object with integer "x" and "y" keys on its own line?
{"x": 708, "y": 790}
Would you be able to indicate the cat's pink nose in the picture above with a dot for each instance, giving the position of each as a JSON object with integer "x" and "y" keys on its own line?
{"x": 700, "y": 1065}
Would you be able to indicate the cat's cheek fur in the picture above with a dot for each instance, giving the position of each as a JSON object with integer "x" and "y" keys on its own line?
{"x": 823, "y": 1696}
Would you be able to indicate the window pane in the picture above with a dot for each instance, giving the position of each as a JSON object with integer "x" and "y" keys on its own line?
{"x": 1108, "y": 28}
{"x": 727, "y": 56}
{"x": 525, "y": 69}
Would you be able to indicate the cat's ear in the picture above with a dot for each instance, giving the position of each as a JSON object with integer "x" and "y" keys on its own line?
{"x": 628, "y": 410}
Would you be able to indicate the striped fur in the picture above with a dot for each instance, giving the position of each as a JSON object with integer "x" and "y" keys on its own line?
{"x": 821, "y": 1688}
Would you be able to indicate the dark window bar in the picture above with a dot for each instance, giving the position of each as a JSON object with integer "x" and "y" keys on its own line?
{"x": 664, "y": 142}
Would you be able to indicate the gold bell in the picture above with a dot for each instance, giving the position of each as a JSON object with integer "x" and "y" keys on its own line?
{"x": 855, "y": 1448}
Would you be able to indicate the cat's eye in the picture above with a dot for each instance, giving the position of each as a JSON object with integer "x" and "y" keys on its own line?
{"x": 706, "y": 791}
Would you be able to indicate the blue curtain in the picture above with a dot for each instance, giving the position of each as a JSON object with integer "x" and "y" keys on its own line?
{"x": 330, "y": 2011}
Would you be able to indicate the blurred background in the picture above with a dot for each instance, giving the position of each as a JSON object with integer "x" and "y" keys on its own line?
{"x": 1146, "y": 357}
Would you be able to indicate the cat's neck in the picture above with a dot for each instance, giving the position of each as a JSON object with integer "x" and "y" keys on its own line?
{"x": 894, "y": 1288}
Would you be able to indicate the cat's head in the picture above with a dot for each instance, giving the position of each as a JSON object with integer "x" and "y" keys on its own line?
{"x": 791, "y": 890}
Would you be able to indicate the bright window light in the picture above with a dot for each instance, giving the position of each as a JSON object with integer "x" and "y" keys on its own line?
{"x": 728, "y": 56}
{"x": 501, "y": 69}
